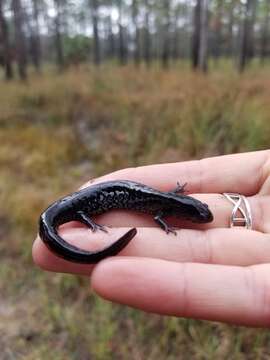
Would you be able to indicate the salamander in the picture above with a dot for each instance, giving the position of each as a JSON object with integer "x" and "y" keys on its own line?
{"x": 121, "y": 194}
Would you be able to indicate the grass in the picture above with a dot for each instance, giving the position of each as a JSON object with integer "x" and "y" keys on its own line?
{"x": 52, "y": 135}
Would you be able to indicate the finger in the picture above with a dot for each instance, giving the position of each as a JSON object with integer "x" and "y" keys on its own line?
{"x": 213, "y": 292}
{"x": 218, "y": 204}
{"x": 216, "y": 246}
{"x": 222, "y": 210}
{"x": 242, "y": 173}
{"x": 48, "y": 261}
{"x": 81, "y": 237}
{"x": 236, "y": 247}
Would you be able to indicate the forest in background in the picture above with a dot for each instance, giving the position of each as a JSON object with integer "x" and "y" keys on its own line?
{"x": 65, "y": 32}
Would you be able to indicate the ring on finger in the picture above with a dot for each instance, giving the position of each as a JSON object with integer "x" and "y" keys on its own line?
{"x": 241, "y": 213}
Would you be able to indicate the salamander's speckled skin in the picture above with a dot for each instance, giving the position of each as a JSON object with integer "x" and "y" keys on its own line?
{"x": 121, "y": 194}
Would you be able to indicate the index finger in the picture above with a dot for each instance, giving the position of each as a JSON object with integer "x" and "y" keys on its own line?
{"x": 241, "y": 173}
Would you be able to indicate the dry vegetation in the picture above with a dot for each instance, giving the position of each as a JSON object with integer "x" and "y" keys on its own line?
{"x": 52, "y": 136}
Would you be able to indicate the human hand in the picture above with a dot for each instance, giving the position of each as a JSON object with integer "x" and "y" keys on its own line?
{"x": 207, "y": 272}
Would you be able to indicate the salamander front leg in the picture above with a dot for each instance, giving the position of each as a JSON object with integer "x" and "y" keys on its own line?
{"x": 86, "y": 220}
{"x": 161, "y": 222}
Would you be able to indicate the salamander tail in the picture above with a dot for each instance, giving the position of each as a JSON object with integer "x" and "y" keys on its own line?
{"x": 60, "y": 247}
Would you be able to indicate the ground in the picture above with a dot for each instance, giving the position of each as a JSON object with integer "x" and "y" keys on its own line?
{"x": 52, "y": 135}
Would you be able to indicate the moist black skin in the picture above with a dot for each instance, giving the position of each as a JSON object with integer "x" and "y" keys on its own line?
{"x": 121, "y": 194}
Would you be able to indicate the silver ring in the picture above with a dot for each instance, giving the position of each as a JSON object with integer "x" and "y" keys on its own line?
{"x": 241, "y": 206}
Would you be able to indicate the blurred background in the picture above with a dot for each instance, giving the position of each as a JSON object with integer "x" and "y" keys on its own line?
{"x": 154, "y": 80}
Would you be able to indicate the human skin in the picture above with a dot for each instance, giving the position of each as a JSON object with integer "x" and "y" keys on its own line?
{"x": 208, "y": 271}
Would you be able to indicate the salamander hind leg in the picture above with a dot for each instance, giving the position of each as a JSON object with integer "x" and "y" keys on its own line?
{"x": 179, "y": 189}
{"x": 86, "y": 220}
{"x": 162, "y": 223}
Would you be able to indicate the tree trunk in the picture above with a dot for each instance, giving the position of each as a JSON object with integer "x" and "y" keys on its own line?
{"x": 203, "y": 51}
{"x": 175, "y": 45}
{"x": 252, "y": 33}
{"x": 176, "y": 34}
{"x": 247, "y": 43}
{"x": 121, "y": 47}
{"x": 137, "y": 52}
{"x": 19, "y": 39}
{"x": 4, "y": 39}
{"x": 146, "y": 35}
{"x": 217, "y": 29}
{"x": 265, "y": 41}
{"x": 230, "y": 48}
{"x": 166, "y": 35}
{"x": 200, "y": 36}
{"x": 110, "y": 48}
{"x": 95, "y": 20}
{"x": 36, "y": 44}
{"x": 196, "y": 40}
{"x": 58, "y": 36}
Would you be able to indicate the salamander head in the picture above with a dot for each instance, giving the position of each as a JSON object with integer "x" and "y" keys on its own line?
{"x": 202, "y": 214}
{"x": 191, "y": 209}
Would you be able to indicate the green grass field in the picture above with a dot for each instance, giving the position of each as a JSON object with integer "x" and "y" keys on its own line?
{"x": 52, "y": 135}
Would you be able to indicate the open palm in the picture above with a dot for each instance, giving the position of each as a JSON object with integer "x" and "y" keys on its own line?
{"x": 208, "y": 272}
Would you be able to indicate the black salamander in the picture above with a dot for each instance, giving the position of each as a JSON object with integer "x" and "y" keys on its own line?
{"x": 121, "y": 194}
